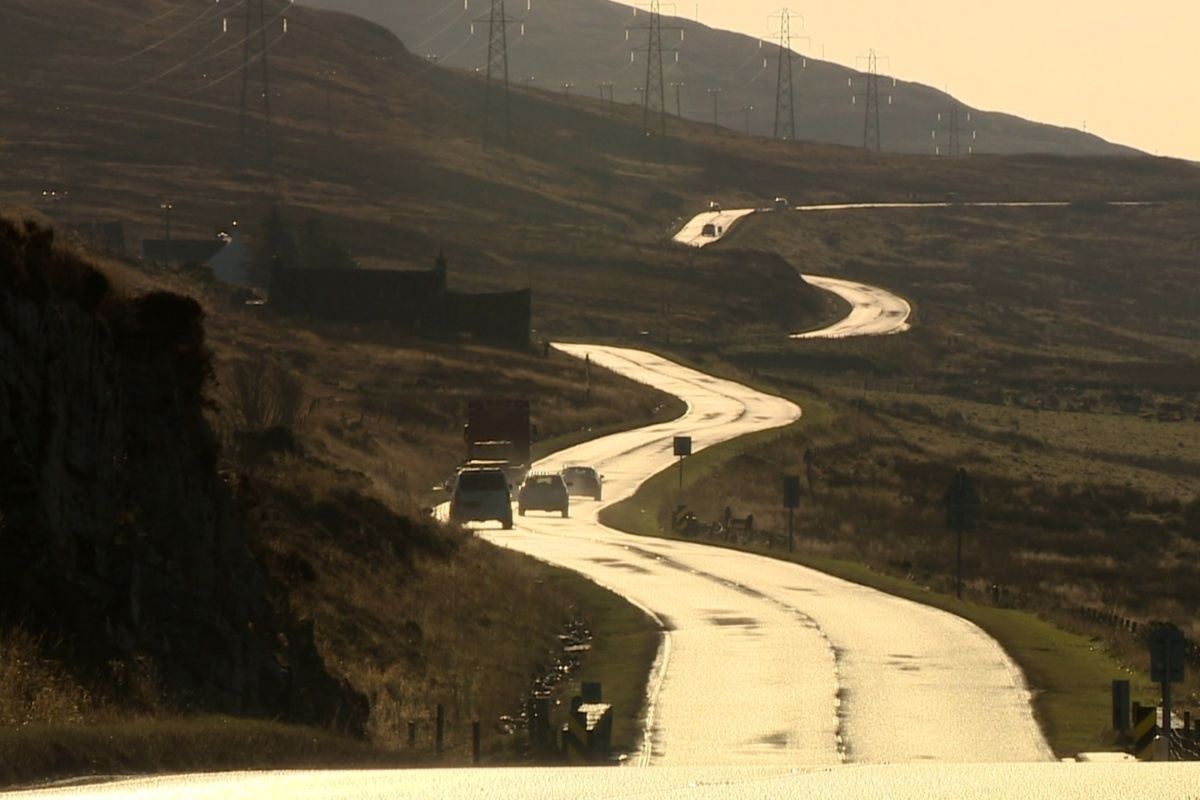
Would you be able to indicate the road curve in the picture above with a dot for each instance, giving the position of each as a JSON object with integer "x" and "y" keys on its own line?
{"x": 773, "y": 680}
{"x": 873, "y": 311}
{"x": 798, "y": 667}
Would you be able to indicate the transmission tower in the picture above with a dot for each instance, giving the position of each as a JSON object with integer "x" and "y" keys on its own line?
{"x": 654, "y": 98}
{"x": 785, "y": 94}
{"x": 715, "y": 94}
{"x": 678, "y": 87}
{"x": 950, "y": 123}
{"x": 872, "y": 140}
{"x": 255, "y": 48}
{"x": 495, "y": 93}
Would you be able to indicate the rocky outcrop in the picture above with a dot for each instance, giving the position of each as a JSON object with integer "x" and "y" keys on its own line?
{"x": 116, "y": 531}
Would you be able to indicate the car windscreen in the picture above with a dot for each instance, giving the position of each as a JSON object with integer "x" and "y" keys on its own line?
{"x": 482, "y": 481}
{"x": 578, "y": 472}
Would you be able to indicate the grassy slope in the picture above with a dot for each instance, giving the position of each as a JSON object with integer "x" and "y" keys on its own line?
{"x": 332, "y": 520}
{"x": 576, "y": 203}
{"x": 1068, "y": 673}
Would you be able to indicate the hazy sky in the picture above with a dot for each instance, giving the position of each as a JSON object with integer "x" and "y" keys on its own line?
{"x": 1127, "y": 70}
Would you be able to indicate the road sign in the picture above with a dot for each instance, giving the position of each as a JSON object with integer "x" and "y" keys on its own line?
{"x": 1167, "y": 647}
{"x": 791, "y": 491}
{"x": 962, "y": 502}
{"x": 683, "y": 446}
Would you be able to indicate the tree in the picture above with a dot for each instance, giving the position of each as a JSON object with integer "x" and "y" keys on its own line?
{"x": 275, "y": 243}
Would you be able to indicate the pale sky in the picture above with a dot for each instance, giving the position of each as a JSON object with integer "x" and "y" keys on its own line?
{"x": 1127, "y": 70}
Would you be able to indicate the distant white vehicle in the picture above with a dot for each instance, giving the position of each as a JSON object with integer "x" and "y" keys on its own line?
{"x": 781, "y": 204}
{"x": 713, "y": 205}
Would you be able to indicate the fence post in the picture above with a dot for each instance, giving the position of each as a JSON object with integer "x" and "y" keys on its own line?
{"x": 412, "y": 734}
{"x": 441, "y": 728}
{"x": 545, "y": 734}
{"x": 475, "y": 742}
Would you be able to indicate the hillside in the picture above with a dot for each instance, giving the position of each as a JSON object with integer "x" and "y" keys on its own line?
{"x": 117, "y": 110}
{"x": 583, "y": 42}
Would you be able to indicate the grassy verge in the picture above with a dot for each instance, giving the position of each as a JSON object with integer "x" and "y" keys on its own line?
{"x": 669, "y": 410}
{"x": 46, "y": 753}
{"x": 1069, "y": 674}
{"x": 624, "y": 646}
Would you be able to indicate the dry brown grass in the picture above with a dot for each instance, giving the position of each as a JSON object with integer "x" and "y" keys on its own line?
{"x": 35, "y": 690}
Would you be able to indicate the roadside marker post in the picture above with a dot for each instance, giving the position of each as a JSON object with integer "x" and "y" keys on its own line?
{"x": 1145, "y": 730}
{"x": 962, "y": 506}
{"x": 1120, "y": 705}
{"x": 1167, "y": 650}
{"x": 791, "y": 501}
{"x": 683, "y": 449}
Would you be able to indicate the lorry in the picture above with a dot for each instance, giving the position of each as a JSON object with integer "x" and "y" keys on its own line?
{"x": 498, "y": 432}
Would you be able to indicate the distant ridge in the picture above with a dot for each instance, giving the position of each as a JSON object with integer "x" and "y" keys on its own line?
{"x": 582, "y": 42}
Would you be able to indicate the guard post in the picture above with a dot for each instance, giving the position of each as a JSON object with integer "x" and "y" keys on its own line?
{"x": 1120, "y": 705}
{"x": 791, "y": 501}
{"x": 683, "y": 449}
{"x": 1144, "y": 732}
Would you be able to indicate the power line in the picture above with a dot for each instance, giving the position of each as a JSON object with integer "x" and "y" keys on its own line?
{"x": 203, "y": 16}
{"x": 443, "y": 10}
{"x": 198, "y": 57}
{"x": 170, "y": 12}
{"x": 449, "y": 25}
{"x": 249, "y": 57}
{"x": 260, "y": 31}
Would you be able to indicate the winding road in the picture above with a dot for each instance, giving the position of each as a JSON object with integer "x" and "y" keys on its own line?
{"x": 873, "y": 311}
{"x": 765, "y": 662}
{"x": 773, "y": 680}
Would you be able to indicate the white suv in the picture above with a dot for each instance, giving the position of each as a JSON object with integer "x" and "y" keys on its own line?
{"x": 480, "y": 495}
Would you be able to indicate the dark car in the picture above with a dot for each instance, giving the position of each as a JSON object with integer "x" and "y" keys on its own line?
{"x": 543, "y": 493}
{"x": 584, "y": 481}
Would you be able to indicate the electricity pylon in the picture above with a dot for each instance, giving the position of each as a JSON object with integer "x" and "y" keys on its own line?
{"x": 950, "y": 123}
{"x": 654, "y": 98}
{"x": 496, "y": 92}
{"x": 785, "y": 94}
{"x": 872, "y": 139}
{"x": 255, "y": 47}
